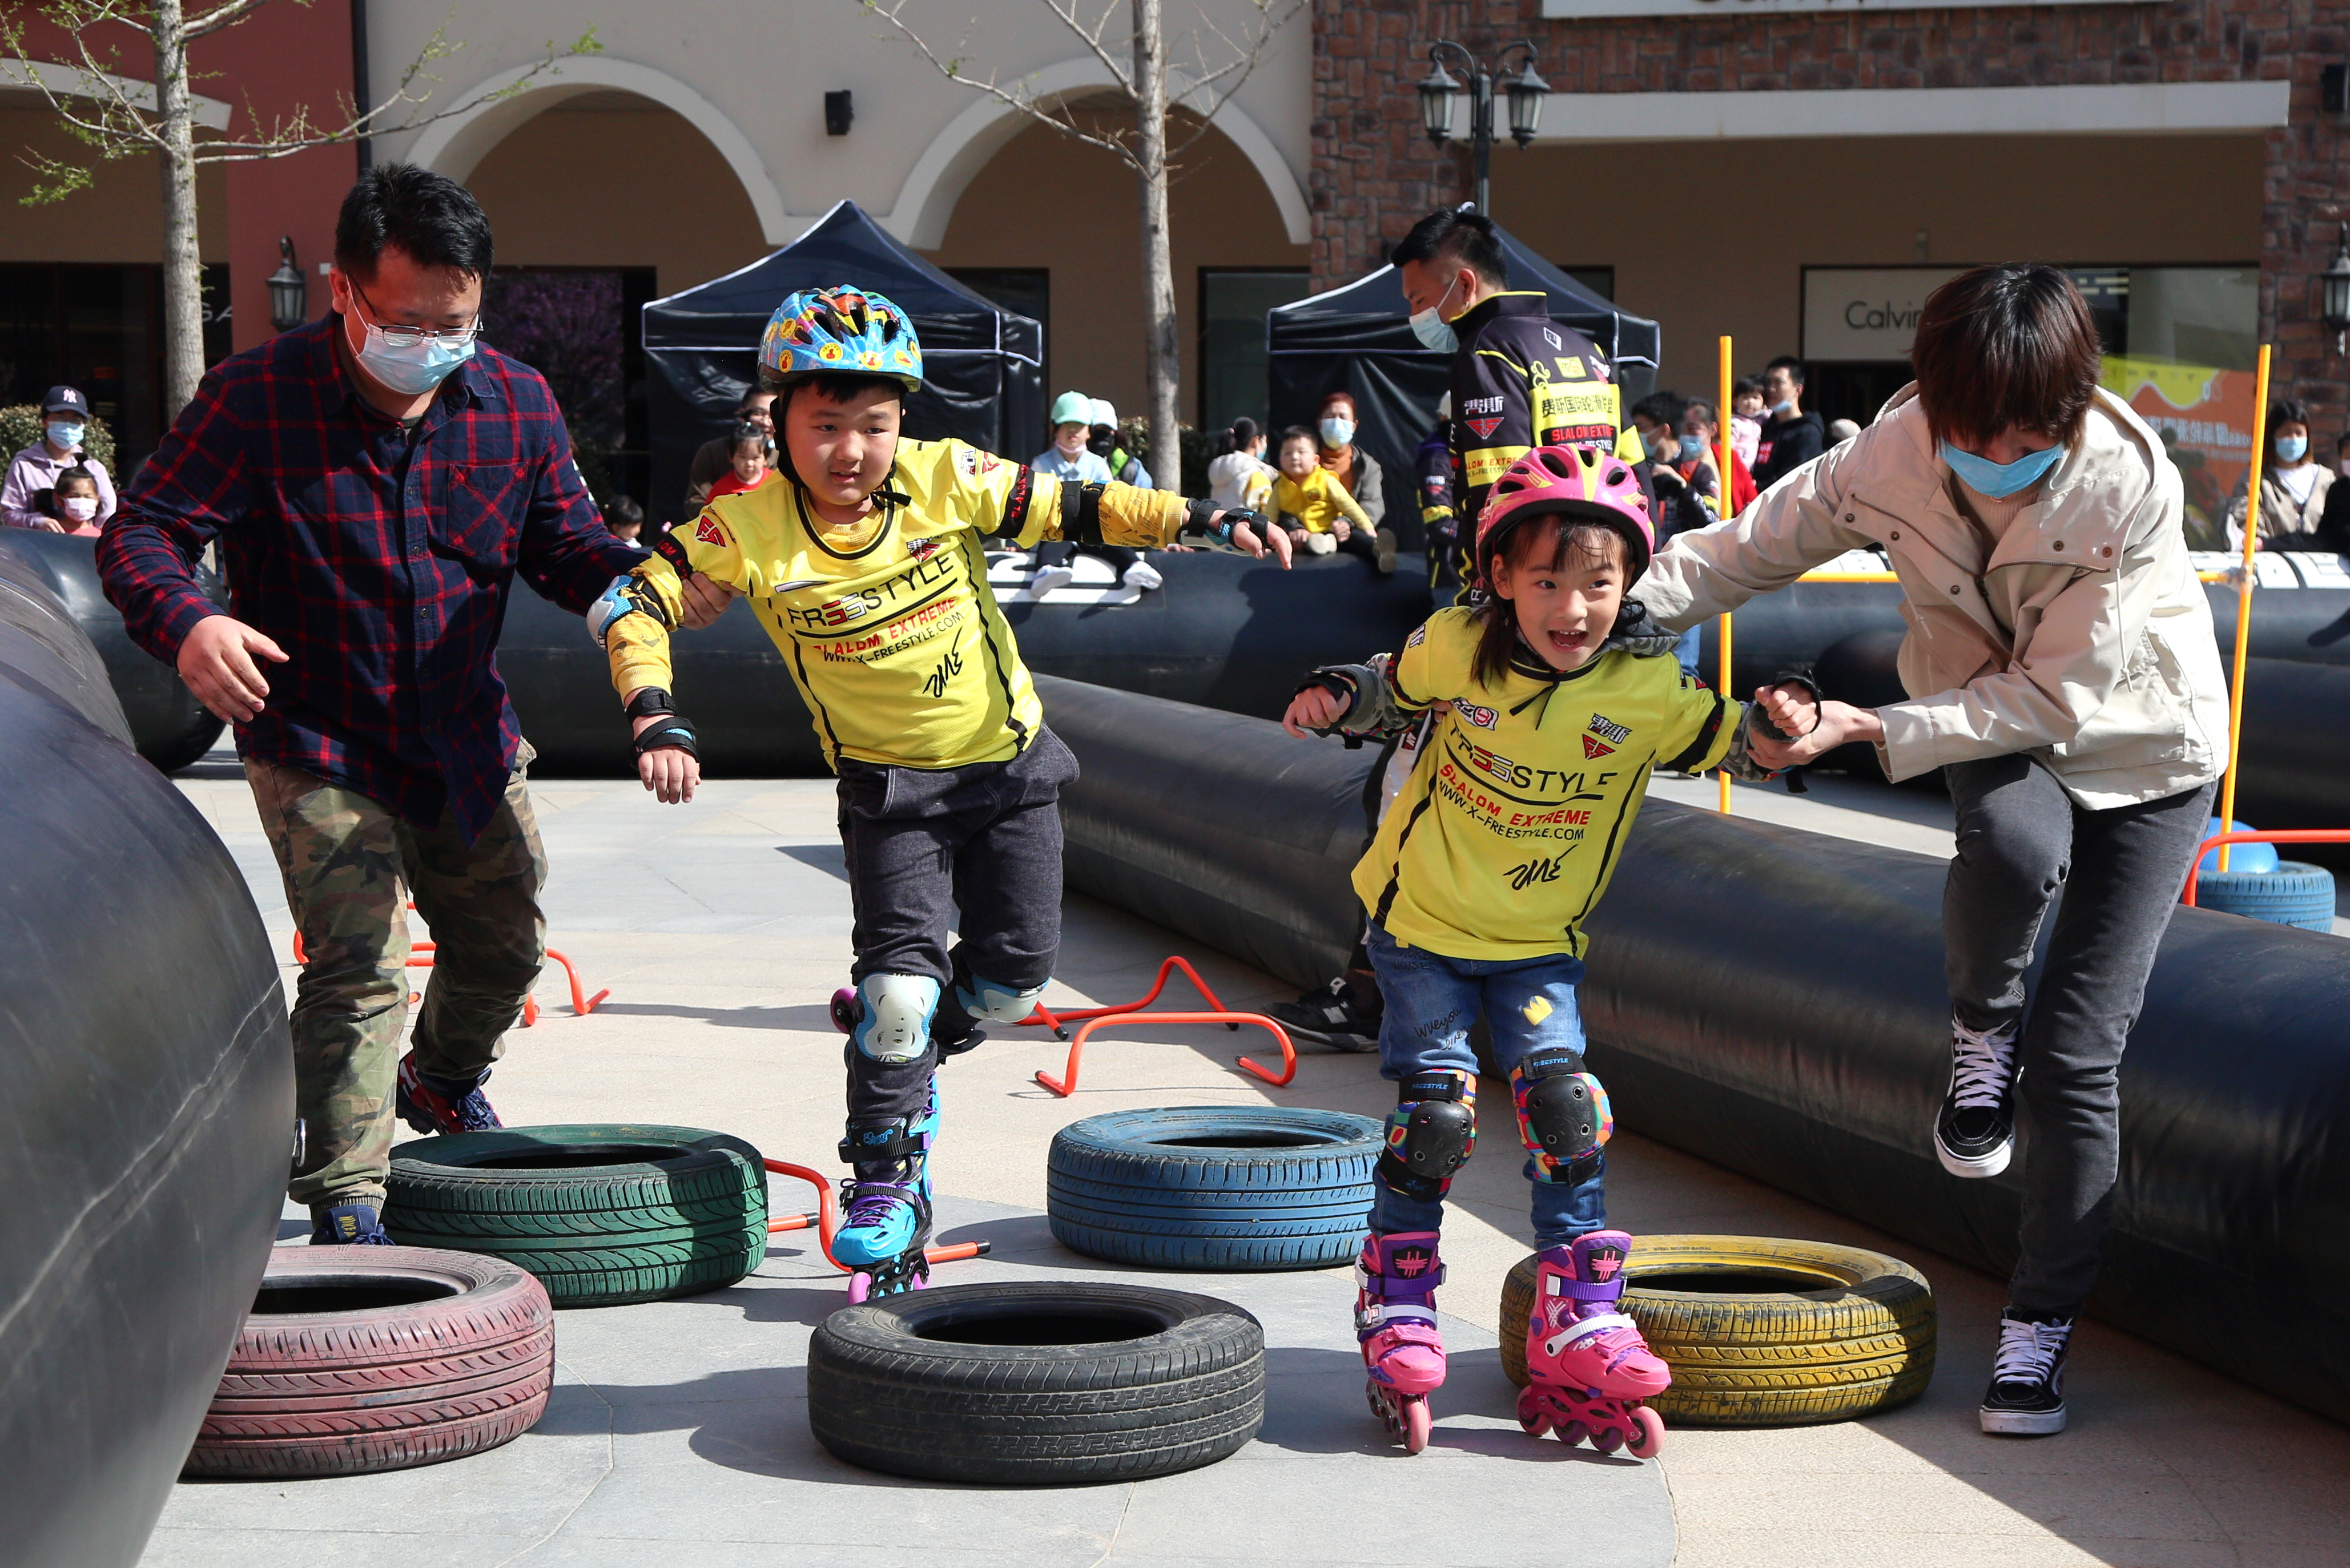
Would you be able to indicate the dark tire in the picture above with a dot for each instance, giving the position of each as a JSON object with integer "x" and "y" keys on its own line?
{"x": 405, "y": 1356}
{"x": 1217, "y": 1187}
{"x": 603, "y": 1213}
{"x": 1845, "y": 1333}
{"x": 1036, "y": 1384}
{"x": 2294, "y": 894}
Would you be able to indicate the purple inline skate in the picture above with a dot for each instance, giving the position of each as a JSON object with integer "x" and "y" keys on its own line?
{"x": 1395, "y": 1320}
{"x": 1590, "y": 1367}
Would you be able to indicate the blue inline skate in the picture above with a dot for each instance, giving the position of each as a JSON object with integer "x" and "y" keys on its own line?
{"x": 885, "y": 1224}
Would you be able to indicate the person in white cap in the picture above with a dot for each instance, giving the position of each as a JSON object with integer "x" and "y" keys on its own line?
{"x": 1081, "y": 451}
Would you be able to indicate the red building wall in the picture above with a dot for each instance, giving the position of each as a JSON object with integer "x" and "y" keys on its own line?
{"x": 1374, "y": 172}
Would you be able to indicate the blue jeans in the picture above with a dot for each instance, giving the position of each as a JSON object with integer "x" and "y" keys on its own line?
{"x": 1431, "y": 1000}
{"x": 1687, "y": 652}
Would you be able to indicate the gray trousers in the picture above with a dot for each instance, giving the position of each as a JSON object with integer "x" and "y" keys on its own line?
{"x": 2020, "y": 841}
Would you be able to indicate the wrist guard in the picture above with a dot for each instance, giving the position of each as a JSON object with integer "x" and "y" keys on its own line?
{"x": 672, "y": 731}
{"x": 648, "y": 701}
{"x": 1740, "y": 764}
{"x": 1202, "y": 535}
{"x": 1771, "y": 731}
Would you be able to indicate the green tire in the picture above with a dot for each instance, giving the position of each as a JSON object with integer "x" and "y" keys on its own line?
{"x": 601, "y": 1214}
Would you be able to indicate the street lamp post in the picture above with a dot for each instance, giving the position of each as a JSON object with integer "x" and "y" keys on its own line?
{"x": 289, "y": 291}
{"x": 1439, "y": 99}
{"x": 2333, "y": 287}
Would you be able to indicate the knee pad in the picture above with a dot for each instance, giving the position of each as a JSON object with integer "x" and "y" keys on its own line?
{"x": 1563, "y": 1114}
{"x": 985, "y": 1000}
{"x": 894, "y": 1027}
{"x": 1430, "y": 1133}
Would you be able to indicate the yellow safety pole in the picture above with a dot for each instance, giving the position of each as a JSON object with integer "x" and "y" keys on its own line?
{"x": 1729, "y": 509}
{"x": 2244, "y": 601}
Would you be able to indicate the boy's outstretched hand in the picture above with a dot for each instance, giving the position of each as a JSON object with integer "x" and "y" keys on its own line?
{"x": 1315, "y": 707}
{"x": 706, "y": 599}
{"x": 670, "y": 772}
{"x": 1255, "y": 539}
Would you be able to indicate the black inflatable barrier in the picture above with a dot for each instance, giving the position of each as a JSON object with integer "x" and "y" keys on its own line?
{"x": 1223, "y": 632}
{"x": 1773, "y": 1001}
{"x": 167, "y": 725}
{"x": 146, "y": 1103}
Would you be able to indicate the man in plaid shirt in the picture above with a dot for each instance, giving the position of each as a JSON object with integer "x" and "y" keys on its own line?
{"x": 374, "y": 480}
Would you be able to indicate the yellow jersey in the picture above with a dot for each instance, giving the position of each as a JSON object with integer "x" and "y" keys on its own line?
{"x": 1504, "y": 836}
{"x": 887, "y": 625}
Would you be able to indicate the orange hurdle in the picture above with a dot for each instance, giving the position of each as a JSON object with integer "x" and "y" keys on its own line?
{"x": 1092, "y": 1018}
{"x": 582, "y": 1003}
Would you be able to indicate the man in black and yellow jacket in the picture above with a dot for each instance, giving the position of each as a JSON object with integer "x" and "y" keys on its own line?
{"x": 869, "y": 571}
{"x": 1519, "y": 379}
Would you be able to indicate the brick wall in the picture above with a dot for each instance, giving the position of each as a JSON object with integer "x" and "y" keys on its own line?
{"x": 1374, "y": 172}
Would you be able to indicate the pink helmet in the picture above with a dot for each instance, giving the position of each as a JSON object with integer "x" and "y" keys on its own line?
{"x": 1577, "y": 484}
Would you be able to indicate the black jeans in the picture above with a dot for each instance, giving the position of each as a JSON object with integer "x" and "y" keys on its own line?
{"x": 2020, "y": 841}
{"x": 922, "y": 844}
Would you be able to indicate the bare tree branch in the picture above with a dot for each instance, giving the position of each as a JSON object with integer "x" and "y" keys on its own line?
{"x": 226, "y": 14}
{"x": 1014, "y": 95}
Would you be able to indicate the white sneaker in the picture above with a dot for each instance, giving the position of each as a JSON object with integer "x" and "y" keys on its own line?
{"x": 1144, "y": 575}
{"x": 1045, "y": 579}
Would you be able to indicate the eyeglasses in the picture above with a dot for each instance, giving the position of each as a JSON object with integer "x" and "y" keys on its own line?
{"x": 409, "y": 337}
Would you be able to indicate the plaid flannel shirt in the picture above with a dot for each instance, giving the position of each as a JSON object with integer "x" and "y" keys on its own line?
{"x": 377, "y": 559}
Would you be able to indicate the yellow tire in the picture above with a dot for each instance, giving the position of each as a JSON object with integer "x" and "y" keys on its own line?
{"x": 1765, "y": 1333}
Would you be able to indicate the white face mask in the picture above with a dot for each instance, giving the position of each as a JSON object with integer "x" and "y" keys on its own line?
{"x": 1336, "y": 431}
{"x": 79, "y": 508}
{"x": 1430, "y": 327}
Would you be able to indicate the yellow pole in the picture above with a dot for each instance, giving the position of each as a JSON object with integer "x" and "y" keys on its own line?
{"x": 1729, "y": 509}
{"x": 2244, "y": 600}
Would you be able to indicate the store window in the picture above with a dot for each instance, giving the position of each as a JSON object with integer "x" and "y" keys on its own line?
{"x": 2179, "y": 345}
{"x": 99, "y": 328}
{"x": 577, "y": 328}
{"x": 1233, "y": 369}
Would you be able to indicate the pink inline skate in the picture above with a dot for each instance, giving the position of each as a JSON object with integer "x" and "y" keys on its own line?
{"x": 1395, "y": 1319}
{"x": 1589, "y": 1366}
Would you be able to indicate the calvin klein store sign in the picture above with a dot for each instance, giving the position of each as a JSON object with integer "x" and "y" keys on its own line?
{"x": 1854, "y": 315}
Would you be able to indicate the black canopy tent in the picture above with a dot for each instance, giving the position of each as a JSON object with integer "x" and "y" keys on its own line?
{"x": 983, "y": 366}
{"x": 1359, "y": 339}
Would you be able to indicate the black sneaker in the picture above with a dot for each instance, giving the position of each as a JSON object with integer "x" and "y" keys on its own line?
{"x": 1975, "y": 1133}
{"x": 347, "y": 1225}
{"x": 2027, "y": 1377}
{"x": 1329, "y": 1015}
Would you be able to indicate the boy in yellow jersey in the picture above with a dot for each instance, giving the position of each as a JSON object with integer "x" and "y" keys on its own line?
{"x": 868, "y": 569}
{"x": 1555, "y": 700}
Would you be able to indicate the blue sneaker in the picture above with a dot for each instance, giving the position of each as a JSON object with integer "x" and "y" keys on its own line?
{"x": 348, "y": 1225}
{"x": 440, "y": 1106}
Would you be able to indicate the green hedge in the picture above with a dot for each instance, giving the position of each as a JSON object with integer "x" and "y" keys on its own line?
{"x": 20, "y": 427}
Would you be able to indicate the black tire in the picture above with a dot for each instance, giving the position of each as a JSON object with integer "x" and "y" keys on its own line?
{"x": 1226, "y": 1188}
{"x": 982, "y": 1383}
{"x": 603, "y": 1213}
{"x": 357, "y": 1359}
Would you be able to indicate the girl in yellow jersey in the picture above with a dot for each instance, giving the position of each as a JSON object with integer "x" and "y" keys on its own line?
{"x": 1557, "y": 700}
{"x": 868, "y": 570}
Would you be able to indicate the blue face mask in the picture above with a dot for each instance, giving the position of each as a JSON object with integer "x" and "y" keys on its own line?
{"x": 1430, "y": 327}
{"x": 64, "y": 434}
{"x": 2292, "y": 448}
{"x": 1985, "y": 477}
{"x": 408, "y": 360}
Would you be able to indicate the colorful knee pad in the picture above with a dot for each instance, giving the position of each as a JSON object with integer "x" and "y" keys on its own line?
{"x": 895, "y": 1022}
{"x": 984, "y": 998}
{"x": 1563, "y": 1113}
{"x": 1430, "y": 1133}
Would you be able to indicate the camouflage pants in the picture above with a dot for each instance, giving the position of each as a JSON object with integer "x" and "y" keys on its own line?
{"x": 351, "y": 868}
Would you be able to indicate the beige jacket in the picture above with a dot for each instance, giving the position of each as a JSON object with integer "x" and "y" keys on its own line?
{"x": 2083, "y": 640}
{"x": 2280, "y": 513}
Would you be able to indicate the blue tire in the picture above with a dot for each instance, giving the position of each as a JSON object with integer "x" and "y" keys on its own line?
{"x": 2294, "y": 894}
{"x": 1222, "y": 1188}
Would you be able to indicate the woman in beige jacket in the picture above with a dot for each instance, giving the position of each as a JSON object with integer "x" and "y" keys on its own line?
{"x": 2063, "y": 674}
{"x": 2293, "y": 485}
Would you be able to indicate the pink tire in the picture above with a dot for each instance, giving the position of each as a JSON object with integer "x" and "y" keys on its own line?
{"x": 860, "y": 1286}
{"x": 1647, "y": 1433}
{"x": 1418, "y": 1421}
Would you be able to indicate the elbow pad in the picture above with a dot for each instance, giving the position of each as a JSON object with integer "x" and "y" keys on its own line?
{"x": 625, "y": 597}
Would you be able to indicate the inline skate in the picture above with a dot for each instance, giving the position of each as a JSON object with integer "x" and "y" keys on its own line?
{"x": 1590, "y": 1367}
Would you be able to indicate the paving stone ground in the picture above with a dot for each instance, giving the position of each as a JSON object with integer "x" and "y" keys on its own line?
{"x": 678, "y": 1433}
